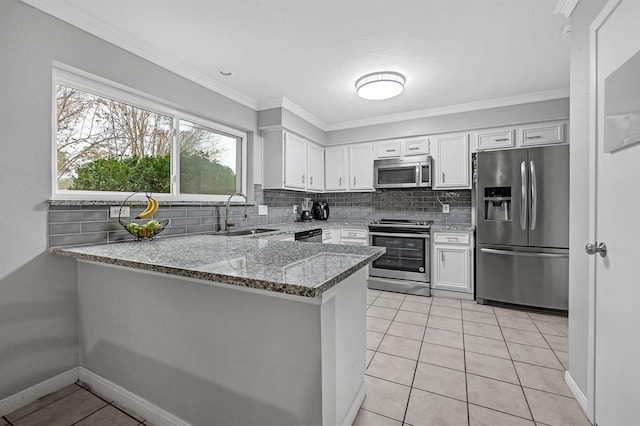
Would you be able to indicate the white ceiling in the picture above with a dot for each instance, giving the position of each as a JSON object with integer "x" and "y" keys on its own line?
{"x": 455, "y": 54}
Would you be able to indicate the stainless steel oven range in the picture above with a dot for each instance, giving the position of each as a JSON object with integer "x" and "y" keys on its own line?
{"x": 404, "y": 268}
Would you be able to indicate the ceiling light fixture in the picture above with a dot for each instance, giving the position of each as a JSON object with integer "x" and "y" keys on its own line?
{"x": 380, "y": 85}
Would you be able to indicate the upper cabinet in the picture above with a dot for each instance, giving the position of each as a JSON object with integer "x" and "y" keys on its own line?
{"x": 402, "y": 147}
{"x": 547, "y": 133}
{"x": 335, "y": 168}
{"x": 292, "y": 162}
{"x": 315, "y": 167}
{"x": 451, "y": 163}
{"x": 361, "y": 167}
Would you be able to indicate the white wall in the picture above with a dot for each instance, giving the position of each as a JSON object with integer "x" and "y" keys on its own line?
{"x": 581, "y": 19}
{"x": 38, "y": 314}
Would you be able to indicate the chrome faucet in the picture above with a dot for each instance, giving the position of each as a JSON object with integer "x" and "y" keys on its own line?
{"x": 228, "y": 224}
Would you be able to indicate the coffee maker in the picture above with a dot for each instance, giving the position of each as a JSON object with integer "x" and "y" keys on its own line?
{"x": 305, "y": 210}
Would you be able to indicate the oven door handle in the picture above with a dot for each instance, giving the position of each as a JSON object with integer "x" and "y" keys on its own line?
{"x": 425, "y": 236}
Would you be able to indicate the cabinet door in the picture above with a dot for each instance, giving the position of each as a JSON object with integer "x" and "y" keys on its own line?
{"x": 388, "y": 149}
{"x": 416, "y": 146}
{"x": 494, "y": 139}
{"x": 315, "y": 167}
{"x": 451, "y": 168}
{"x": 361, "y": 167}
{"x": 335, "y": 168}
{"x": 452, "y": 267}
{"x": 295, "y": 161}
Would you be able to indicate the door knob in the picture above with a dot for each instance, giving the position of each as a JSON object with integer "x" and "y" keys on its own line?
{"x": 596, "y": 248}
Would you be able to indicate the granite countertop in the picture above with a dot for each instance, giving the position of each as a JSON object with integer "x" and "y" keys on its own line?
{"x": 302, "y": 269}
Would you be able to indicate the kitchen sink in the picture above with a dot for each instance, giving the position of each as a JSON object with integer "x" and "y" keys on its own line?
{"x": 240, "y": 232}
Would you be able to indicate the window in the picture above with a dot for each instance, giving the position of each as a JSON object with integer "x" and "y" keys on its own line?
{"x": 109, "y": 142}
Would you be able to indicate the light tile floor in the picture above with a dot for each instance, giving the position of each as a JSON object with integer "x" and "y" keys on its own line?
{"x": 430, "y": 361}
{"x": 443, "y": 361}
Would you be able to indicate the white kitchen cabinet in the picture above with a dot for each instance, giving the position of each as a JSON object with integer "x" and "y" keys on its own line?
{"x": 295, "y": 161}
{"x": 388, "y": 149}
{"x": 315, "y": 167}
{"x": 361, "y": 167}
{"x": 452, "y": 261}
{"x": 415, "y": 146}
{"x": 542, "y": 134}
{"x": 354, "y": 236}
{"x": 452, "y": 163}
{"x": 335, "y": 168}
{"x": 500, "y": 138}
{"x": 330, "y": 236}
{"x": 292, "y": 162}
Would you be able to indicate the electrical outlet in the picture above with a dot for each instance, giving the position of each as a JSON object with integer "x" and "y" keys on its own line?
{"x": 263, "y": 210}
{"x": 124, "y": 211}
{"x": 445, "y": 208}
{"x": 295, "y": 208}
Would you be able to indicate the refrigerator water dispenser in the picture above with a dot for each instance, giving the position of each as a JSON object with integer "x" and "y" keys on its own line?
{"x": 497, "y": 203}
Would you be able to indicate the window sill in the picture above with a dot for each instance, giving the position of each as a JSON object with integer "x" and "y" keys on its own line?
{"x": 195, "y": 203}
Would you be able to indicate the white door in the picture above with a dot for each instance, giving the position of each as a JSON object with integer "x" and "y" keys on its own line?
{"x": 335, "y": 168}
{"x": 617, "y": 209}
{"x": 295, "y": 162}
{"x": 315, "y": 167}
{"x": 451, "y": 168}
{"x": 361, "y": 167}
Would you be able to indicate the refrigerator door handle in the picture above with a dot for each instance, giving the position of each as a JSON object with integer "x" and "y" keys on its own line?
{"x": 523, "y": 196}
{"x": 521, "y": 253}
{"x": 534, "y": 195}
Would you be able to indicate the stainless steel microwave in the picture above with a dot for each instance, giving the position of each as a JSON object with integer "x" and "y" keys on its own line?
{"x": 408, "y": 172}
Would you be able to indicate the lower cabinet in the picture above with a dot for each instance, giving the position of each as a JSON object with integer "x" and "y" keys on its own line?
{"x": 452, "y": 261}
{"x": 354, "y": 236}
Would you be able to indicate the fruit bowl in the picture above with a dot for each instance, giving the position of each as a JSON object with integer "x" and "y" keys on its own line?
{"x": 149, "y": 229}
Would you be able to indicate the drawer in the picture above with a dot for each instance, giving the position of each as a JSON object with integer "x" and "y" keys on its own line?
{"x": 388, "y": 149}
{"x": 542, "y": 134}
{"x": 353, "y": 233}
{"x": 451, "y": 238}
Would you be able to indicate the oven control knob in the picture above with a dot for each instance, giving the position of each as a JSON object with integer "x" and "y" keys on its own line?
{"x": 421, "y": 269}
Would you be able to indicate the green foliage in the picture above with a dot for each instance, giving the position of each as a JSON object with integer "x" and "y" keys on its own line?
{"x": 198, "y": 175}
{"x": 151, "y": 174}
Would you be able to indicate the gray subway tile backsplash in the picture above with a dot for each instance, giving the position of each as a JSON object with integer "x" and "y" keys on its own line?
{"x": 71, "y": 225}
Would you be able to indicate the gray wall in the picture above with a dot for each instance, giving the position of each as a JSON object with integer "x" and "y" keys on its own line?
{"x": 582, "y": 17}
{"x": 492, "y": 117}
{"x": 38, "y": 314}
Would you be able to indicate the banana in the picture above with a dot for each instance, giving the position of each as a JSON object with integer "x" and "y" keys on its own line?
{"x": 152, "y": 208}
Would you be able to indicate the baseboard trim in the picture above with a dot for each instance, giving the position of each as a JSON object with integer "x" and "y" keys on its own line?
{"x": 39, "y": 390}
{"x": 577, "y": 393}
{"x": 140, "y": 406}
{"x": 352, "y": 412}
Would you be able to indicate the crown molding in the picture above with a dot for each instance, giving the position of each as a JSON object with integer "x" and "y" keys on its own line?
{"x": 453, "y": 109}
{"x": 81, "y": 20}
{"x": 565, "y": 7}
{"x": 288, "y": 104}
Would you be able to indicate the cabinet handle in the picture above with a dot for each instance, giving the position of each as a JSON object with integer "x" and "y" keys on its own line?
{"x": 501, "y": 140}
{"x": 354, "y": 181}
{"x": 534, "y": 137}
{"x": 452, "y": 239}
{"x": 442, "y": 256}
{"x": 391, "y": 150}
{"x": 311, "y": 180}
{"x": 442, "y": 177}
{"x": 303, "y": 178}
{"x": 413, "y": 149}
{"x": 340, "y": 181}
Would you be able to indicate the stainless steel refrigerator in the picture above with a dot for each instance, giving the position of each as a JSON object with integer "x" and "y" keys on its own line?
{"x": 522, "y": 207}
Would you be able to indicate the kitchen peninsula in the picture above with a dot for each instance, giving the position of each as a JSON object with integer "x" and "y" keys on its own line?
{"x": 211, "y": 329}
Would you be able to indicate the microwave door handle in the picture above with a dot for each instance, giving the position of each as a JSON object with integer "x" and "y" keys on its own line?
{"x": 418, "y": 178}
{"x": 523, "y": 196}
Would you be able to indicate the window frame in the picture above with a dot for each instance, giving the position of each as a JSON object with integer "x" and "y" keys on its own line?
{"x": 81, "y": 80}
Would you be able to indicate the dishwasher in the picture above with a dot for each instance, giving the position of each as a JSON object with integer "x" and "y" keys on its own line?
{"x": 310, "y": 236}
